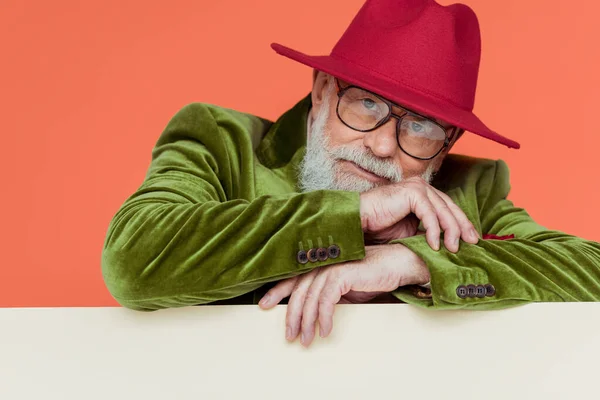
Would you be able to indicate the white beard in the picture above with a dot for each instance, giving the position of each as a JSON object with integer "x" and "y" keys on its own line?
{"x": 319, "y": 169}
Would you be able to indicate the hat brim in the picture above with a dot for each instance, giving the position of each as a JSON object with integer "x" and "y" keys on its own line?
{"x": 396, "y": 92}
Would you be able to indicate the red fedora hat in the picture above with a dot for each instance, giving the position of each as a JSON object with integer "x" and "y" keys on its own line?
{"x": 416, "y": 53}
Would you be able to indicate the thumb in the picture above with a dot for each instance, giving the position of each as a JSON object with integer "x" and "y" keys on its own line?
{"x": 278, "y": 292}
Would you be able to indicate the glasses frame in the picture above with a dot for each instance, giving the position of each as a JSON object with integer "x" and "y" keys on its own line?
{"x": 447, "y": 140}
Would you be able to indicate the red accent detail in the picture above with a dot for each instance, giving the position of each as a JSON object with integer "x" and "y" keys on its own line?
{"x": 490, "y": 236}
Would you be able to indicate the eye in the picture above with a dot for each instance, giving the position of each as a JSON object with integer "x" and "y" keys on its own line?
{"x": 369, "y": 104}
{"x": 416, "y": 127}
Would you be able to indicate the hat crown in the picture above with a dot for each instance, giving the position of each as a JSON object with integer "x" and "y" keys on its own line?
{"x": 421, "y": 44}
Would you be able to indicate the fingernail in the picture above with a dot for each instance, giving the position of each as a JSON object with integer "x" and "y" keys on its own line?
{"x": 302, "y": 339}
{"x": 288, "y": 333}
{"x": 265, "y": 300}
{"x": 474, "y": 234}
{"x": 457, "y": 243}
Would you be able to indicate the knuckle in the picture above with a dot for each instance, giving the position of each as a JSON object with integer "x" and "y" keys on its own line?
{"x": 452, "y": 218}
{"x": 297, "y": 296}
{"x": 334, "y": 287}
{"x": 434, "y": 228}
{"x": 292, "y": 305}
{"x": 310, "y": 296}
{"x": 278, "y": 293}
{"x": 444, "y": 207}
{"x": 432, "y": 209}
{"x": 454, "y": 231}
{"x": 325, "y": 300}
{"x": 292, "y": 323}
{"x": 430, "y": 221}
{"x": 295, "y": 284}
{"x": 467, "y": 226}
{"x": 308, "y": 315}
{"x": 448, "y": 216}
{"x": 458, "y": 211}
{"x": 289, "y": 321}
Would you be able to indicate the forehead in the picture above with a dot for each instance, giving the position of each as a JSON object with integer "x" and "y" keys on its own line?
{"x": 439, "y": 121}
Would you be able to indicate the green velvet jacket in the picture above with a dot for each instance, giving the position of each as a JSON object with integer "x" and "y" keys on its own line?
{"x": 218, "y": 218}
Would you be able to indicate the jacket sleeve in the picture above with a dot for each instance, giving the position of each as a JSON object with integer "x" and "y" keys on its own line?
{"x": 537, "y": 265}
{"x": 193, "y": 233}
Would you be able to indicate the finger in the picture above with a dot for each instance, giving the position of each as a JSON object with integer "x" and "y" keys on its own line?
{"x": 468, "y": 231}
{"x": 277, "y": 293}
{"x": 310, "y": 311}
{"x": 421, "y": 206}
{"x": 330, "y": 295}
{"x": 296, "y": 303}
{"x": 447, "y": 221}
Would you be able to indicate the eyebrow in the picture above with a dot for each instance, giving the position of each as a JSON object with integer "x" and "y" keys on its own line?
{"x": 442, "y": 123}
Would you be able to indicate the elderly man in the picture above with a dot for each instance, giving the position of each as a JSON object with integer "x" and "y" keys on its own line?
{"x": 350, "y": 196}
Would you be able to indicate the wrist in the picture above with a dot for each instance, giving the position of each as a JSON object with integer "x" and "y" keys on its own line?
{"x": 419, "y": 272}
{"x": 422, "y": 275}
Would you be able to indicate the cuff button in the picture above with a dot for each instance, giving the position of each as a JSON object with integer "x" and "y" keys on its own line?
{"x": 301, "y": 257}
{"x": 490, "y": 290}
{"x": 312, "y": 255}
{"x": 462, "y": 291}
{"x": 334, "y": 251}
{"x": 480, "y": 291}
{"x": 322, "y": 254}
{"x": 471, "y": 290}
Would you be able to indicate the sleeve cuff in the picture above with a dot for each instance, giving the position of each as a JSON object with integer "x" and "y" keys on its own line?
{"x": 336, "y": 234}
{"x": 449, "y": 274}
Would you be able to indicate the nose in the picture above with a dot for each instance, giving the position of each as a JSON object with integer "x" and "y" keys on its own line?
{"x": 382, "y": 141}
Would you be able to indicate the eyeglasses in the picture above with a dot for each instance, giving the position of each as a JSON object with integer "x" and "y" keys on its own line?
{"x": 365, "y": 111}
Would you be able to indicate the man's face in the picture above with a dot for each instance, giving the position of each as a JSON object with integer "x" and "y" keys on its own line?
{"x": 341, "y": 158}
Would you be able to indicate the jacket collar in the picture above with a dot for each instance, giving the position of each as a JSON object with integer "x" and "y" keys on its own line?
{"x": 286, "y": 138}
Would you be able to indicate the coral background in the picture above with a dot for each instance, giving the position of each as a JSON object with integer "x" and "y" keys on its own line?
{"x": 87, "y": 87}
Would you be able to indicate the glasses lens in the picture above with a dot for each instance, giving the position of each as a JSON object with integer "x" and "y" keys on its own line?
{"x": 361, "y": 110}
{"x": 420, "y": 137}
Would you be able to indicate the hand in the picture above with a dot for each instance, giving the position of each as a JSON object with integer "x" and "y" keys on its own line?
{"x": 406, "y": 227}
{"x": 387, "y": 213}
{"x": 313, "y": 295}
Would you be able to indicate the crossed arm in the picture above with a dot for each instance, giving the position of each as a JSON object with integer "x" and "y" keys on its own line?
{"x": 196, "y": 232}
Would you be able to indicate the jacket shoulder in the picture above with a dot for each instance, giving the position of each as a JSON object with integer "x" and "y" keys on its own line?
{"x": 468, "y": 172}
{"x": 200, "y": 118}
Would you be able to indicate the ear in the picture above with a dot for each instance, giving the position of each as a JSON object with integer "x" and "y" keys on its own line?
{"x": 320, "y": 80}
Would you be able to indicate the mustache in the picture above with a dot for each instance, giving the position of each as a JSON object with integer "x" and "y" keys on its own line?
{"x": 369, "y": 162}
